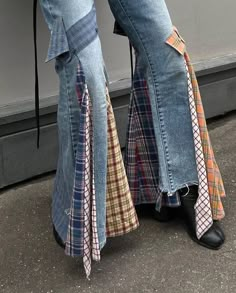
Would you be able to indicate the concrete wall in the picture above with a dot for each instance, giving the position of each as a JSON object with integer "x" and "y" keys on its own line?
{"x": 207, "y": 26}
{"x": 212, "y": 48}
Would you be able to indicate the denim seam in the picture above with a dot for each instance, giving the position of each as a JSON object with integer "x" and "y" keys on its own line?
{"x": 69, "y": 106}
{"x": 164, "y": 144}
{"x": 83, "y": 32}
{"x": 78, "y": 51}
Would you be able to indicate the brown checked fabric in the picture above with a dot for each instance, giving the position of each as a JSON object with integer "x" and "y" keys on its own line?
{"x": 121, "y": 214}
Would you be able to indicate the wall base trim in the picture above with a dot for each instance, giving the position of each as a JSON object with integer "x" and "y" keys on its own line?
{"x": 20, "y": 159}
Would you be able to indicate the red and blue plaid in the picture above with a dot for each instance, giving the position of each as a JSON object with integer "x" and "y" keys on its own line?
{"x": 75, "y": 236}
{"x": 121, "y": 218}
{"x": 141, "y": 155}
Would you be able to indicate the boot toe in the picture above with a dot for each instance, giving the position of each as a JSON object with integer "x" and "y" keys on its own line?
{"x": 219, "y": 230}
{"x": 213, "y": 238}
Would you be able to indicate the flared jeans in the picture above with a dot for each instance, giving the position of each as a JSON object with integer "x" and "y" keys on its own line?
{"x": 75, "y": 41}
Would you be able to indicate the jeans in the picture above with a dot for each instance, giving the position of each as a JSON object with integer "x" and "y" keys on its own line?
{"x": 74, "y": 38}
{"x": 148, "y": 26}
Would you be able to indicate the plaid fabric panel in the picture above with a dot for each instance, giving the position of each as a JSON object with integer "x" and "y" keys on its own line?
{"x": 121, "y": 216}
{"x": 83, "y": 32}
{"x": 58, "y": 40}
{"x": 91, "y": 243}
{"x": 215, "y": 183}
{"x": 76, "y": 37}
{"x": 75, "y": 236}
{"x": 82, "y": 238}
{"x": 141, "y": 155}
{"x": 176, "y": 41}
{"x": 202, "y": 207}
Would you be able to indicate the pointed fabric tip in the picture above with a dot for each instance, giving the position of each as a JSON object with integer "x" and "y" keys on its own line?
{"x": 87, "y": 266}
{"x": 202, "y": 207}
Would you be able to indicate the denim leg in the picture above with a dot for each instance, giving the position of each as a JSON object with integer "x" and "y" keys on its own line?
{"x": 66, "y": 21}
{"x": 93, "y": 65}
{"x": 148, "y": 26}
{"x": 68, "y": 114}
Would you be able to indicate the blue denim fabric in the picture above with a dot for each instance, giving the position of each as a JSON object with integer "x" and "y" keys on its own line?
{"x": 148, "y": 25}
{"x": 74, "y": 38}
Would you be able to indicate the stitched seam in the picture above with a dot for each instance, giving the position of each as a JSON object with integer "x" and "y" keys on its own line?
{"x": 83, "y": 32}
{"x": 164, "y": 143}
{"x": 69, "y": 107}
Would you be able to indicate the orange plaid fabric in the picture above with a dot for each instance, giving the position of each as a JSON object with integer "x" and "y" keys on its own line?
{"x": 121, "y": 216}
{"x": 176, "y": 41}
{"x": 215, "y": 182}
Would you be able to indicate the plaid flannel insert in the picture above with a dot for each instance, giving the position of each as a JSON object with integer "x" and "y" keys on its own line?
{"x": 121, "y": 218}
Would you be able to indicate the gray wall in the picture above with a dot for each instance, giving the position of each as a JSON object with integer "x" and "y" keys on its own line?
{"x": 207, "y": 26}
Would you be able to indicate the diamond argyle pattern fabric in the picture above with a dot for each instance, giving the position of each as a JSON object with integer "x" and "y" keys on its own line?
{"x": 215, "y": 183}
{"x": 91, "y": 245}
{"x": 202, "y": 207}
{"x": 82, "y": 238}
{"x": 87, "y": 193}
{"x": 121, "y": 218}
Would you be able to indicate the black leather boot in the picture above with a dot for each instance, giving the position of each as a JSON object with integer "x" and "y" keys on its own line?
{"x": 214, "y": 237}
{"x": 58, "y": 238}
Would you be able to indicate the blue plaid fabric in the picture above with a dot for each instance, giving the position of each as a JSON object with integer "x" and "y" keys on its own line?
{"x": 58, "y": 41}
{"x": 141, "y": 155}
{"x": 76, "y": 38}
{"x": 75, "y": 236}
{"x": 83, "y": 32}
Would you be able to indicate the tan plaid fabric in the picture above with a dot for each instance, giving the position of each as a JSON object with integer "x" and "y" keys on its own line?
{"x": 215, "y": 183}
{"x": 176, "y": 41}
{"x": 121, "y": 216}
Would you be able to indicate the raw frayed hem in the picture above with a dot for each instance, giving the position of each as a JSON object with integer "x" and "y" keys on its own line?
{"x": 102, "y": 244}
{"x": 171, "y": 193}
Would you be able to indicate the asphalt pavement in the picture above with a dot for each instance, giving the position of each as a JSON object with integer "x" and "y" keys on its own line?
{"x": 157, "y": 257}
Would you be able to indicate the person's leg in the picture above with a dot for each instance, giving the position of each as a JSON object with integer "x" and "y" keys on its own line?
{"x": 148, "y": 27}
{"x": 74, "y": 42}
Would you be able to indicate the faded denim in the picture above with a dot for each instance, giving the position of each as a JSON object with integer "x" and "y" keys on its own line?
{"x": 148, "y": 25}
{"x": 68, "y": 21}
